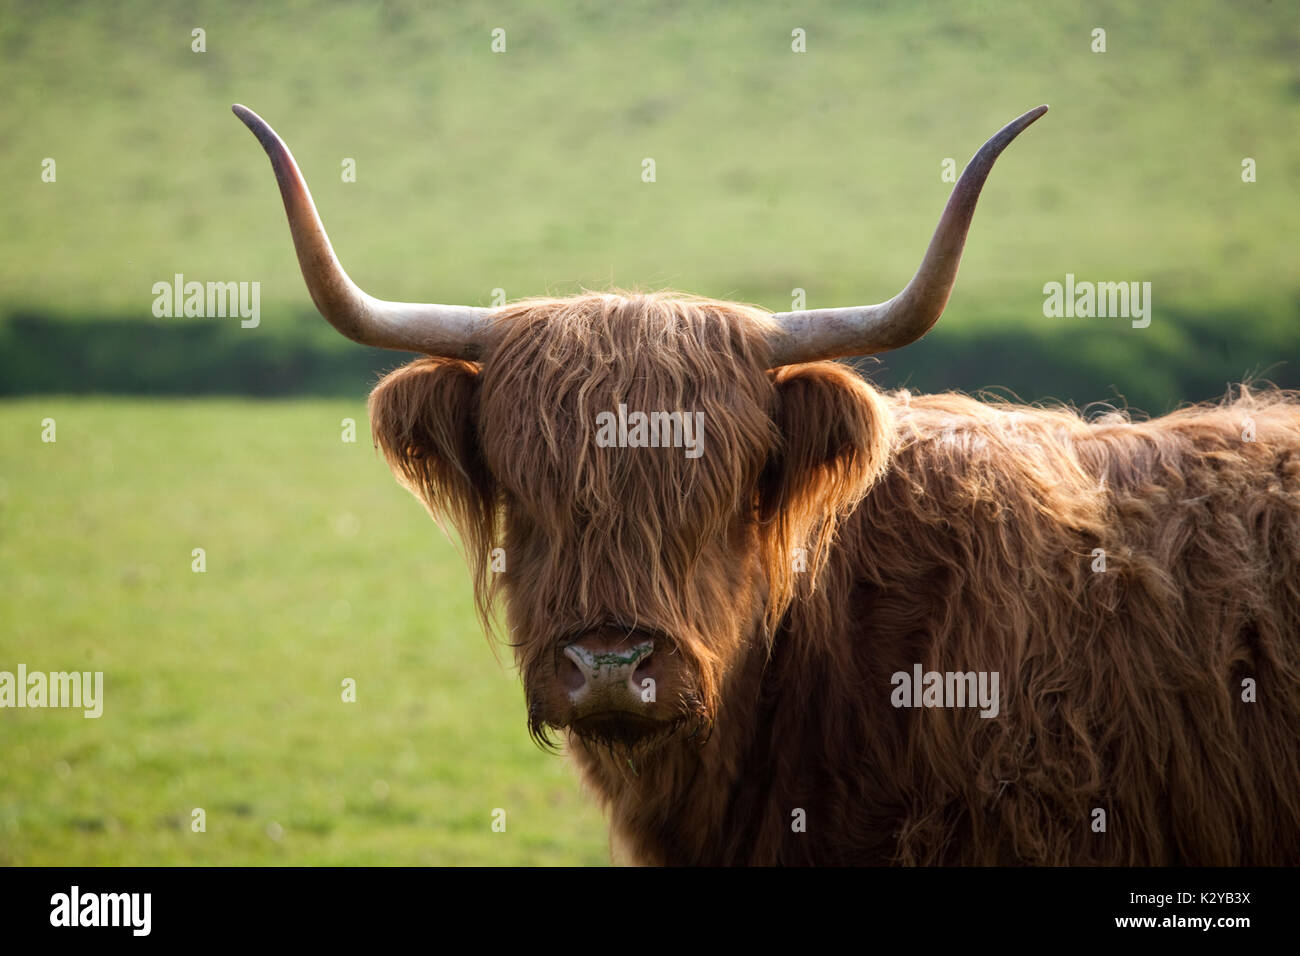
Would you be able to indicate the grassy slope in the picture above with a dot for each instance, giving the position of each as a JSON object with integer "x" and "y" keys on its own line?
{"x": 775, "y": 170}
{"x": 222, "y": 689}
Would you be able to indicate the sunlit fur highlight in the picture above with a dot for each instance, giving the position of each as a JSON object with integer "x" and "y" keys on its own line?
{"x": 973, "y": 549}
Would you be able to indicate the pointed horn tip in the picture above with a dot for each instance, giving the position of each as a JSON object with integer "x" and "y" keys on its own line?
{"x": 249, "y": 118}
{"x": 1024, "y": 120}
{"x": 260, "y": 128}
{"x": 1030, "y": 117}
{"x": 1003, "y": 138}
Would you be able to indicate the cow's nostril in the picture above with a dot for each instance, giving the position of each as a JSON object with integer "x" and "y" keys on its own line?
{"x": 571, "y": 676}
{"x": 645, "y": 670}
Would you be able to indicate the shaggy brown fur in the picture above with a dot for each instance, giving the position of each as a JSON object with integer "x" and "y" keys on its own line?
{"x": 938, "y": 530}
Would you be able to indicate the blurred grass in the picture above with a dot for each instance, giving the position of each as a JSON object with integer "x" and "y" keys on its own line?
{"x": 223, "y": 689}
{"x": 775, "y": 170}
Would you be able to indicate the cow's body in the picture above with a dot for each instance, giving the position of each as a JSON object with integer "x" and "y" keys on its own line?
{"x": 1122, "y": 690}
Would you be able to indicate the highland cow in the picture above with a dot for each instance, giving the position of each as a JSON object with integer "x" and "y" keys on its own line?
{"x": 733, "y": 645}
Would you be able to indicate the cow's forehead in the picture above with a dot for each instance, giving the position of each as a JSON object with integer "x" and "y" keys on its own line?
{"x": 602, "y": 401}
{"x": 612, "y": 332}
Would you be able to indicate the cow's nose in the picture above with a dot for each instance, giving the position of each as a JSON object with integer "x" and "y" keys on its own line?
{"x": 610, "y": 671}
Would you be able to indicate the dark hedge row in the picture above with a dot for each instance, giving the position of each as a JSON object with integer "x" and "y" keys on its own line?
{"x": 1077, "y": 363}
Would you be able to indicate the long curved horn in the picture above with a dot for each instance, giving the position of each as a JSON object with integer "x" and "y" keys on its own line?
{"x": 864, "y": 330}
{"x": 453, "y": 331}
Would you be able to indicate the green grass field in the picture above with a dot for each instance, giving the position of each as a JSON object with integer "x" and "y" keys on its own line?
{"x": 223, "y": 689}
{"x": 522, "y": 170}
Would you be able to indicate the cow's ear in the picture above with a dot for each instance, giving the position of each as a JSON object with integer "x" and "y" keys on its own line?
{"x": 424, "y": 418}
{"x": 835, "y": 434}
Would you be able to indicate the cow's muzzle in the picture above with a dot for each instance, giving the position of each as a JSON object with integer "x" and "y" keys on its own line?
{"x": 614, "y": 679}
